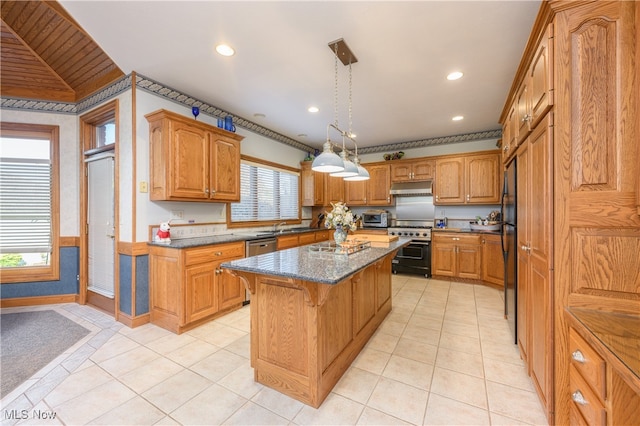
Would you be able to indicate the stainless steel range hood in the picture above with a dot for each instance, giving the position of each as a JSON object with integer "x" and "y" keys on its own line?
{"x": 411, "y": 188}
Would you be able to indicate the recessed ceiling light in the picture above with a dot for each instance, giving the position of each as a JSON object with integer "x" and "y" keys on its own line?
{"x": 259, "y": 115}
{"x": 457, "y": 118}
{"x": 225, "y": 50}
{"x": 313, "y": 109}
{"x": 353, "y": 135}
{"x": 302, "y": 135}
{"x": 455, "y": 75}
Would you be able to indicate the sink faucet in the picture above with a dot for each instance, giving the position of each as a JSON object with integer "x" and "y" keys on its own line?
{"x": 275, "y": 227}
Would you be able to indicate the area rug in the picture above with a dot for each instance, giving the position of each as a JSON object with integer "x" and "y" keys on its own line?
{"x": 31, "y": 340}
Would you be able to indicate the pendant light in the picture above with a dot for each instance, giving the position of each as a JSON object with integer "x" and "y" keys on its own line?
{"x": 329, "y": 161}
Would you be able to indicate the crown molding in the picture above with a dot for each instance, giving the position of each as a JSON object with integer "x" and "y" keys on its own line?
{"x": 444, "y": 140}
{"x": 164, "y": 91}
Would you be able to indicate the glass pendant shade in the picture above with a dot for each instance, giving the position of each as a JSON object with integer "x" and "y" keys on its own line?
{"x": 363, "y": 174}
{"x": 328, "y": 161}
{"x": 350, "y": 169}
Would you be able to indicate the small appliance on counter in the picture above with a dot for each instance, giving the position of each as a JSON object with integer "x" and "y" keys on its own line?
{"x": 441, "y": 223}
{"x": 375, "y": 219}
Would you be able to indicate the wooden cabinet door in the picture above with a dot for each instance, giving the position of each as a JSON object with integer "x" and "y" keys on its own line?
{"x": 188, "y": 162}
{"x": 523, "y": 115}
{"x": 224, "y": 169}
{"x": 469, "y": 261}
{"x": 231, "y": 290}
{"x": 306, "y": 238}
{"x": 200, "y": 295}
{"x": 355, "y": 192}
{"x": 449, "y": 181}
{"x": 313, "y": 185}
{"x": 364, "y": 300}
{"x": 379, "y": 185}
{"x": 334, "y": 189}
{"x": 307, "y": 184}
{"x": 383, "y": 282}
{"x": 423, "y": 170}
{"x": 287, "y": 241}
{"x": 401, "y": 172}
{"x": 482, "y": 179}
{"x": 540, "y": 261}
{"x": 522, "y": 240}
{"x": 443, "y": 257}
{"x": 492, "y": 260}
{"x": 541, "y": 79}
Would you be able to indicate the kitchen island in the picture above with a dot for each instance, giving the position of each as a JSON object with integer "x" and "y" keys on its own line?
{"x": 312, "y": 313}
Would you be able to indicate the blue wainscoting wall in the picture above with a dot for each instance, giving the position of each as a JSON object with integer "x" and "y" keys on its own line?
{"x": 68, "y": 283}
{"x": 141, "y": 285}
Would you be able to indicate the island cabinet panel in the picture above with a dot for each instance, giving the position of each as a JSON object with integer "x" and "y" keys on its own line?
{"x": 364, "y": 308}
{"x": 336, "y": 324}
{"x": 306, "y": 334}
{"x": 285, "y": 332}
{"x": 383, "y": 282}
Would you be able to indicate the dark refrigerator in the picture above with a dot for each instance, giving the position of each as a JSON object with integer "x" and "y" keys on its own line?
{"x": 509, "y": 245}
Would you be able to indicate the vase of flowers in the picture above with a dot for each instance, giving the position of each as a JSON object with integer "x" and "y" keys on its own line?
{"x": 342, "y": 220}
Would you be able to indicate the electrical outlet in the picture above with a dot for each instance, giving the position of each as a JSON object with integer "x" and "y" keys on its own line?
{"x": 144, "y": 187}
{"x": 177, "y": 214}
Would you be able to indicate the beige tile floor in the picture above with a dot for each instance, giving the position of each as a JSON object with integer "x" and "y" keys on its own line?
{"x": 442, "y": 357}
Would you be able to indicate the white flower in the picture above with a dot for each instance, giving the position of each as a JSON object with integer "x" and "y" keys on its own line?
{"x": 340, "y": 215}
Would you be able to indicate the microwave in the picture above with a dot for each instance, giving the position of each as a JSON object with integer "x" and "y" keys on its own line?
{"x": 375, "y": 219}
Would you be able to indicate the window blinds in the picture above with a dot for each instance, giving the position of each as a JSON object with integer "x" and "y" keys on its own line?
{"x": 266, "y": 193}
{"x": 25, "y": 206}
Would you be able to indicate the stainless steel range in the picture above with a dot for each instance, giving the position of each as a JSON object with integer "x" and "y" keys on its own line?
{"x": 414, "y": 219}
{"x": 414, "y": 258}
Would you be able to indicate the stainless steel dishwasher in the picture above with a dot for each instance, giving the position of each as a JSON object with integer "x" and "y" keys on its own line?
{"x": 256, "y": 247}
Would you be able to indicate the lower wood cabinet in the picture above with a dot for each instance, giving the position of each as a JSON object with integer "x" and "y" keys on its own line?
{"x": 188, "y": 287}
{"x": 456, "y": 255}
{"x": 294, "y": 240}
{"x": 599, "y": 395}
{"x": 492, "y": 259}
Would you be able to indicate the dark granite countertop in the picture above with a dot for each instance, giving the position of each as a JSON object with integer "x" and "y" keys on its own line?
{"x": 301, "y": 263}
{"x": 183, "y": 243}
{"x": 619, "y": 333}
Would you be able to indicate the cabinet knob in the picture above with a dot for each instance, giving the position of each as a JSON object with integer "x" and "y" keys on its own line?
{"x": 578, "y": 398}
{"x": 437, "y": 197}
{"x": 526, "y": 118}
{"x": 218, "y": 271}
{"x": 467, "y": 197}
{"x": 206, "y": 190}
{"x": 388, "y": 199}
{"x": 578, "y": 356}
{"x": 218, "y": 253}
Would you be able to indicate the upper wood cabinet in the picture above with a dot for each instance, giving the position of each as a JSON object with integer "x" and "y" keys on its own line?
{"x": 372, "y": 192}
{"x": 191, "y": 160}
{"x": 312, "y": 185}
{"x": 412, "y": 170}
{"x": 533, "y": 98}
{"x": 319, "y": 189}
{"x": 468, "y": 179}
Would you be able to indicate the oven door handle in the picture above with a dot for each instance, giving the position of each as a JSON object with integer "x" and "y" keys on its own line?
{"x": 420, "y": 243}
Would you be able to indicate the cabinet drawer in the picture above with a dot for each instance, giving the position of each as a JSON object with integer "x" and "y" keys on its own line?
{"x": 456, "y": 238}
{"x": 588, "y": 363}
{"x": 213, "y": 253}
{"x": 307, "y": 238}
{"x": 585, "y": 400}
{"x": 322, "y": 235}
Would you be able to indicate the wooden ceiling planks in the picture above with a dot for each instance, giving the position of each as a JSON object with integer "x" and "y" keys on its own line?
{"x": 46, "y": 55}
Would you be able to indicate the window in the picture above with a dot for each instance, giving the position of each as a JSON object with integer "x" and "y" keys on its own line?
{"x": 28, "y": 202}
{"x": 267, "y": 194}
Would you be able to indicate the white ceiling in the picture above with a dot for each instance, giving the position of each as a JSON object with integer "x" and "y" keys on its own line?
{"x": 283, "y": 65}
